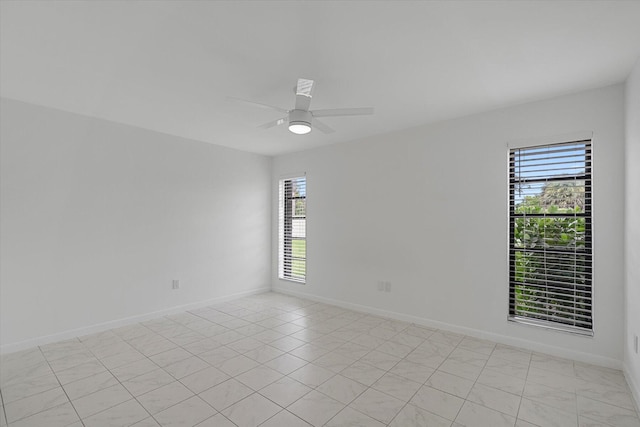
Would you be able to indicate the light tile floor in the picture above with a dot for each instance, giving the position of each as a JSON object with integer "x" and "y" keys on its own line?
{"x": 274, "y": 360}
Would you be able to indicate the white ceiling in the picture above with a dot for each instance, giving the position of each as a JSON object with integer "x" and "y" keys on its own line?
{"x": 169, "y": 66}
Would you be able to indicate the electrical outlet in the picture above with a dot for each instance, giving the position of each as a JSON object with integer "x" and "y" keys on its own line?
{"x": 635, "y": 343}
{"x": 380, "y": 285}
{"x": 387, "y": 286}
{"x": 176, "y": 284}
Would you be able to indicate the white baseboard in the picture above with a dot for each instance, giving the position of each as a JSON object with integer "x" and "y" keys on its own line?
{"x": 476, "y": 333}
{"x": 30, "y": 343}
{"x": 633, "y": 385}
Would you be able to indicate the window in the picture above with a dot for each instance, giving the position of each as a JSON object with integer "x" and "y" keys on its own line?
{"x": 550, "y": 240}
{"x": 292, "y": 230}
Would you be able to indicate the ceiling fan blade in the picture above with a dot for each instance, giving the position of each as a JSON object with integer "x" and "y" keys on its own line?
{"x": 305, "y": 87}
{"x": 317, "y": 124}
{"x": 304, "y": 91}
{"x": 273, "y": 123}
{"x": 335, "y": 112}
{"x": 258, "y": 104}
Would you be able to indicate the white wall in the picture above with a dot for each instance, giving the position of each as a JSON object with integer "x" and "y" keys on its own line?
{"x": 426, "y": 209}
{"x": 632, "y": 229}
{"x": 98, "y": 218}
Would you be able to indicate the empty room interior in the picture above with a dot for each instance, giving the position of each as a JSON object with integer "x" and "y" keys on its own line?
{"x": 320, "y": 213}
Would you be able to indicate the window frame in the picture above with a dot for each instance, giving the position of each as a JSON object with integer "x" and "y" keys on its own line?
{"x": 587, "y": 176}
{"x": 286, "y": 216}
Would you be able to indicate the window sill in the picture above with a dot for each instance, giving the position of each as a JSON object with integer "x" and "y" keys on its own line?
{"x": 291, "y": 279}
{"x": 550, "y": 325}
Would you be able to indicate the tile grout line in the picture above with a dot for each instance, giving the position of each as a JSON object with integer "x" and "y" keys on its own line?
{"x": 575, "y": 394}
{"x": 4, "y": 411}
{"x": 108, "y": 370}
{"x": 284, "y": 375}
{"x": 161, "y": 368}
{"x": 115, "y": 377}
{"x": 524, "y": 387}
{"x": 287, "y": 376}
{"x": 233, "y": 377}
{"x": 105, "y": 409}
{"x": 474, "y": 382}
{"x": 323, "y": 332}
{"x": 422, "y": 385}
{"x": 386, "y": 372}
{"x": 152, "y": 416}
{"x": 60, "y": 383}
{"x": 118, "y": 380}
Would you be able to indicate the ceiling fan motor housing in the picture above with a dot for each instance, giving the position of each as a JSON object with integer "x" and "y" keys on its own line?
{"x": 300, "y": 117}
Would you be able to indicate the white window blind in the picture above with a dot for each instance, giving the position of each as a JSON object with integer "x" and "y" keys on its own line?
{"x": 292, "y": 230}
{"x": 550, "y": 237}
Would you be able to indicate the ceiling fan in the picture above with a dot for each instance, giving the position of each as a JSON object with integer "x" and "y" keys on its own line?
{"x": 300, "y": 119}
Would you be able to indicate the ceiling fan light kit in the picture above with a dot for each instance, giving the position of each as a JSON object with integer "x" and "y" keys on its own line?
{"x": 299, "y": 128}
{"x": 300, "y": 118}
{"x": 300, "y": 121}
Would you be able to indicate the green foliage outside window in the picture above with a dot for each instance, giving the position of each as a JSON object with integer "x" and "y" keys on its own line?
{"x": 566, "y": 271}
